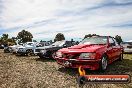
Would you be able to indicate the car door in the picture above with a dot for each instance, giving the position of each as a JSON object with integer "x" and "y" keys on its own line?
{"x": 115, "y": 48}
{"x": 110, "y": 49}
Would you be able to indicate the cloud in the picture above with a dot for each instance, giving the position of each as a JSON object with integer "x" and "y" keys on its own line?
{"x": 121, "y": 25}
{"x": 74, "y": 18}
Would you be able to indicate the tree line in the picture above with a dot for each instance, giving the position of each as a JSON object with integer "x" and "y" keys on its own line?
{"x": 25, "y": 36}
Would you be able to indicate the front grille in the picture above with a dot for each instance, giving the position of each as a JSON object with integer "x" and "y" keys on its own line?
{"x": 71, "y": 56}
{"x": 37, "y": 50}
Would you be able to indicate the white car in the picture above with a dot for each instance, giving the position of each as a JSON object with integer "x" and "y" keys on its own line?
{"x": 14, "y": 48}
{"x": 42, "y": 46}
{"x": 28, "y": 48}
{"x": 127, "y": 47}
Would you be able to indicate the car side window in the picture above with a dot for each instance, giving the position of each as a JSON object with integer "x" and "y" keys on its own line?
{"x": 68, "y": 43}
{"x": 112, "y": 42}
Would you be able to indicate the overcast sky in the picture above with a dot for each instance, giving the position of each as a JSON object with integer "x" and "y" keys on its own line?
{"x": 74, "y": 18}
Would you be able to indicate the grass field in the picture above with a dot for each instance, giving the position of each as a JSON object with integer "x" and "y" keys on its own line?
{"x": 33, "y": 72}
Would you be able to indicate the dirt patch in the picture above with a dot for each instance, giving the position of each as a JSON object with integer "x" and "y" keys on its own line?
{"x": 23, "y": 72}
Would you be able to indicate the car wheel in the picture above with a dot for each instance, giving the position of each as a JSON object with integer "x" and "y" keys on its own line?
{"x": 40, "y": 56}
{"x": 103, "y": 63}
{"x": 29, "y": 52}
{"x": 81, "y": 80}
{"x": 121, "y": 57}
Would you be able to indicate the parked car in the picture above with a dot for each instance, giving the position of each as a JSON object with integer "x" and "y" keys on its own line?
{"x": 41, "y": 46}
{"x": 14, "y": 48}
{"x": 1, "y": 46}
{"x": 127, "y": 47}
{"x": 7, "y": 50}
{"x": 11, "y": 49}
{"x": 93, "y": 53}
{"x": 27, "y": 48}
{"x": 49, "y": 51}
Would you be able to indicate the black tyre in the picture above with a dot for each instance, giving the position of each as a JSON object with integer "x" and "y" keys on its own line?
{"x": 103, "y": 63}
{"x": 29, "y": 52}
{"x": 81, "y": 80}
{"x": 40, "y": 56}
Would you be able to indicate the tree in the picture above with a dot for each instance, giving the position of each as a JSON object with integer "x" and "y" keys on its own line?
{"x": 118, "y": 39}
{"x": 72, "y": 40}
{"x": 59, "y": 37}
{"x": 4, "y": 38}
{"x": 14, "y": 38}
{"x": 34, "y": 40}
{"x": 24, "y": 36}
{"x": 90, "y": 35}
{"x": 10, "y": 41}
{"x": 41, "y": 41}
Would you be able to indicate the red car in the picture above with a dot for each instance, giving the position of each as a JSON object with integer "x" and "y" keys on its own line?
{"x": 93, "y": 53}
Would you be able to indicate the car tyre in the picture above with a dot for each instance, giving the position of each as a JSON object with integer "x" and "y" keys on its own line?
{"x": 29, "y": 52}
{"x": 81, "y": 80}
{"x": 40, "y": 56}
{"x": 103, "y": 63}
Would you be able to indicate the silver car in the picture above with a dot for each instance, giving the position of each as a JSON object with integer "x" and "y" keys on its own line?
{"x": 127, "y": 47}
{"x": 14, "y": 48}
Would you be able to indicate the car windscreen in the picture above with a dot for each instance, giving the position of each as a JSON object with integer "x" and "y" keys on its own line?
{"x": 31, "y": 44}
{"x": 40, "y": 45}
{"x": 94, "y": 40}
{"x": 25, "y": 44}
{"x": 58, "y": 43}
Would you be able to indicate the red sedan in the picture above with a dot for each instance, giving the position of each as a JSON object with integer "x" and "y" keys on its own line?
{"x": 93, "y": 53}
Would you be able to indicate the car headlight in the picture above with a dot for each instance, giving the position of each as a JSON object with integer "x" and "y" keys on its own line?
{"x": 43, "y": 51}
{"x": 87, "y": 56}
{"x": 58, "y": 54}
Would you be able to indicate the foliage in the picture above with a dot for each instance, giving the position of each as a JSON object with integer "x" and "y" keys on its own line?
{"x": 4, "y": 36}
{"x": 59, "y": 37}
{"x": 24, "y": 36}
{"x": 90, "y": 35}
{"x": 118, "y": 39}
{"x": 5, "y": 40}
{"x": 34, "y": 40}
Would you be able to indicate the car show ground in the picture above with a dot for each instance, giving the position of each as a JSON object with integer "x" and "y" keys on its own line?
{"x": 34, "y": 72}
